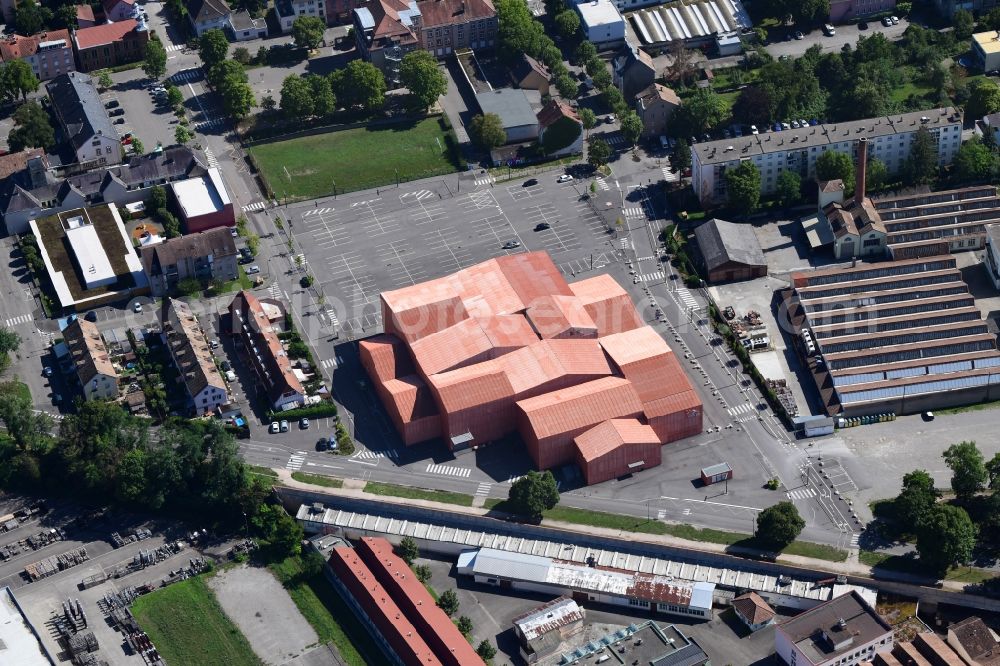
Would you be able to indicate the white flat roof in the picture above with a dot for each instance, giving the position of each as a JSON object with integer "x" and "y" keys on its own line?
{"x": 18, "y": 643}
{"x": 201, "y": 196}
{"x": 599, "y": 12}
{"x": 95, "y": 267}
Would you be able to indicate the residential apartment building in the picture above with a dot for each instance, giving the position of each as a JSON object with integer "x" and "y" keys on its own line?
{"x": 386, "y": 30}
{"x": 119, "y": 10}
{"x": 34, "y": 191}
{"x": 110, "y": 44}
{"x": 84, "y": 120}
{"x": 255, "y": 327}
{"x": 633, "y": 71}
{"x": 208, "y": 15}
{"x": 843, "y": 11}
{"x": 654, "y": 106}
{"x": 91, "y": 360}
{"x": 49, "y": 53}
{"x": 243, "y": 27}
{"x": 289, "y": 10}
{"x": 205, "y": 256}
{"x": 842, "y": 632}
{"x": 601, "y": 23}
{"x": 889, "y": 140}
{"x": 947, "y": 8}
{"x": 986, "y": 50}
{"x": 192, "y": 357}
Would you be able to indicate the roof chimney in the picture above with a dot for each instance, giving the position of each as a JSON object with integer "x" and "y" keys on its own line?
{"x": 861, "y": 172}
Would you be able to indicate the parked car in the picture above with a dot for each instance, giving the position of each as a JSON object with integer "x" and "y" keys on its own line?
{"x": 798, "y": 34}
{"x": 226, "y": 366}
{"x": 894, "y": 20}
{"x": 862, "y": 25}
{"x": 117, "y": 112}
{"x": 611, "y": 118}
{"x": 230, "y": 376}
{"x": 91, "y": 315}
{"x": 303, "y": 424}
{"x": 530, "y": 182}
{"x": 565, "y": 178}
{"x": 321, "y": 444}
{"x": 121, "y": 121}
{"x": 137, "y": 307}
{"x": 47, "y": 371}
{"x": 829, "y": 30}
{"x": 754, "y": 130}
{"x": 284, "y": 425}
{"x": 275, "y": 427}
{"x": 511, "y": 244}
{"x": 542, "y": 226}
{"x": 112, "y": 104}
{"x": 253, "y": 270}
{"x": 886, "y": 21}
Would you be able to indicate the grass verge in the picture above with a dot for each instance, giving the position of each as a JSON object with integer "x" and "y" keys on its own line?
{"x": 317, "y": 480}
{"x": 640, "y": 525}
{"x": 355, "y": 159}
{"x": 263, "y": 471}
{"x": 187, "y": 626}
{"x": 911, "y": 565}
{"x": 392, "y": 490}
{"x": 17, "y": 388}
{"x": 326, "y": 612}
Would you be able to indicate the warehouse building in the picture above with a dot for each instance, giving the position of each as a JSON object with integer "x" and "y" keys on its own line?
{"x": 986, "y": 50}
{"x": 395, "y": 607}
{"x": 695, "y": 22}
{"x": 509, "y": 345}
{"x": 642, "y": 643}
{"x": 842, "y": 632}
{"x": 601, "y": 23}
{"x": 542, "y": 630}
{"x": 903, "y": 337}
{"x": 605, "y": 585}
{"x": 796, "y": 150}
{"x": 19, "y": 642}
{"x": 729, "y": 252}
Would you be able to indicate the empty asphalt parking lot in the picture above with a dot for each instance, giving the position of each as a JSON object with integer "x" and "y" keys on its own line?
{"x": 360, "y": 245}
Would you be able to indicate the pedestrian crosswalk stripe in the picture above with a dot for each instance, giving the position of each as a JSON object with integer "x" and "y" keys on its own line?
{"x": 317, "y": 211}
{"x": 745, "y": 408}
{"x": 256, "y": 205}
{"x": 513, "y": 479}
{"x": 614, "y": 139}
{"x": 651, "y": 277}
{"x": 801, "y": 493}
{"x": 295, "y": 461}
{"x": 275, "y": 291}
{"x": 20, "y": 319}
{"x": 485, "y": 180}
{"x": 626, "y": 243}
{"x": 634, "y": 211}
{"x": 57, "y": 417}
{"x": 449, "y": 470}
{"x": 483, "y": 490}
{"x": 661, "y": 514}
{"x": 368, "y": 454}
{"x": 210, "y": 156}
{"x": 671, "y": 176}
{"x": 686, "y": 298}
{"x": 329, "y": 363}
{"x": 855, "y": 539}
{"x": 209, "y": 124}
{"x": 186, "y": 75}
{"x": 602, "y": 184}
{"x": 174, "y": 47}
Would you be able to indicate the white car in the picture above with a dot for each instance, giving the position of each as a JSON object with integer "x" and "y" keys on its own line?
{"x": 754, "y": 130}
{"x": 894, "y": 20}
{"x": 230, "y": 376}
{"x": 274, "y": 427}
{"x": 137, "y": 308}
{"x": 611, "y": 118}
{"x": 253, "y": 270}
{"x": 565, "y": 178}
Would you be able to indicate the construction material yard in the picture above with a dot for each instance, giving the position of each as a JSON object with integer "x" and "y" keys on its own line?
{"x": 356, "y": 159}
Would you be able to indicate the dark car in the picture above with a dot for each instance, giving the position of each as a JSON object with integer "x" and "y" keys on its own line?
{"x": 321, "y": 444}
{"x": 112, "y": 104}
{"x": 862, "y": 25}
{"x": 542, "y": 226}
{"x": 117, "y": 112}
{"x": 91, "y": 316}
{"x": 530, "y": 182}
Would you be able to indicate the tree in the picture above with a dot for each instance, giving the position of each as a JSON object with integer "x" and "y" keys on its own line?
{"x": 682, "y": 154}
{"x": 588, "y": 118}
{"x": 984, "y": 99}
{"x": 237, "y": 98}
{"x": 307, "y": 32}
{"x": 227, "y": 70}
{"x": 567, "y": 86}
{"x": 680, "y": 71}
{"x": 945, "y": 537}
{"x": 253, "y": 244}
{"x": 155, "y": 62}
{"x": 31, "y": 18}
{"x": 974, "y": 161}
{"x": 701, "y": 111}
{"x": 281, "y": 533}
{"x": 993, "y": 470}
{"x": 916, "y": 499}
{"x": 487, "y": 132}
{"x": 876, "y": 175}
{"x": 65, "y": 17}
{"x": 533, "y": 493}
{"x": 213, "y": 47}
{"x": 789, "y": 188}
{"x": 324, "y": 100}
{"x": 359, "y": 84}
{"x": 921, "y": 166}
{"x": 171, "y": 226}
{"x": 602, "y": 79}
{"x": 157, "y": 199}
{"x": 464, "y": 625}
{"x": 422, "y": 572}
{"x": 743, "y": 187}
{"x": 104, "y": 78}
{"x": 17, "y": 79}
{"x": 420, "y": 73}
{"x": 752, "y": 106}
{"x": 990, "y": 20}
{"x": 32, "y": 128}
{"x": 968, "y": 471}
{"x": 832, "y": 165}
{"x": 585, "y": 52}
{"x": 567, "y": 22}
{"x": 632, "y": 127}
{"x": 486, "y": 651}
{"x": 174, "y": 96}
{"x": 780, "y": 524}
{"x": 614, "y": 98}
{"x": 964, "y": 24}
{"x": 9, "y": 342}
{"x": 182, "y": 135}
{"x": 599, "y": 152}
{"x": 267, "y": 103}
{"x": 137, "y": 146}
{"x": 189, "y": 286}
{"x": 408, "y": 550}
{"x": 242, "y": 55}
{"x": 448, "y": 602}
{"x": 296, "y": 97}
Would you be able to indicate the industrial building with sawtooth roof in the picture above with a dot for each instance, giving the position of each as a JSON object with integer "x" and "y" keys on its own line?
{"x": 508, "y": 345}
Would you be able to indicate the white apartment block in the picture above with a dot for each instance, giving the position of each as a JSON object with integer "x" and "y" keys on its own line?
{"x": 889, "y": 140}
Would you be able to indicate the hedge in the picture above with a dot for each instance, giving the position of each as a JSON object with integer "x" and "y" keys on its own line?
{"x": 313, "y": 411}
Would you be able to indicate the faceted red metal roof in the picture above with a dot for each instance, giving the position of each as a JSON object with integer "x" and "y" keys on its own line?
{"x": 508, "y": 332}
{"x": 647, "y": 361}
{"x": 549, "y": 361}
{"x": 532, "y": 275}
{"x": 608, "y": 304}
{"x": 557, "y": 316}
{"x": 471, "y": 386}
{"x": 580, "y": 406}
{"x": 388, "y": 357}
{"x": 411, "y": 398}
{"x": 463, "y": 344}
{"x": 609, "y": 435}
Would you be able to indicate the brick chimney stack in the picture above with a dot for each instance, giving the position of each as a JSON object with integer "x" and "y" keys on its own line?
{"x": 861, "y": 171}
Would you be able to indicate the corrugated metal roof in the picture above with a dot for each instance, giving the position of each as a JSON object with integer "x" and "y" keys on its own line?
{"x": 581, "y": 406}
{"x": 386, "y": 356}
{"x": 559, "y": 612}
{"x": 508, "y": 332}
{"x": 608, "y": 304}
{"x": 411, "y": 398}
{"x": 556, "y": 316}
{"x": 609, "y": 435}
{"x": 463, "y": 344}
{"x": 472, "y": 386}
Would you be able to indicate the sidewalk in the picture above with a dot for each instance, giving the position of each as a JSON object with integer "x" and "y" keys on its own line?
{"x": 355, "y": 488}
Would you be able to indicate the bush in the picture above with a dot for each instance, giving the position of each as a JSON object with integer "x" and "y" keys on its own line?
{"x": 312, "y": 412}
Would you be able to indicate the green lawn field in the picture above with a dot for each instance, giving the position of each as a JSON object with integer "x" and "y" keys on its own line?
{"x": 355, "y": 159}
{"x": 187, "y": 626}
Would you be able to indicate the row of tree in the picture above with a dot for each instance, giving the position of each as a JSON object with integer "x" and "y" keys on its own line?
{"x": 520, "y": 33}
{"x": 227, "y": 77}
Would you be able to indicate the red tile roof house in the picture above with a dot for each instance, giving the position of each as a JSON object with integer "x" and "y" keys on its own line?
{"x": 109, "y": 45}
{"x": 119, "y": 10}
{"x": 85, "y": 16}
{"x": 509, "y": 345}
{"x": 49, "y": 53}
